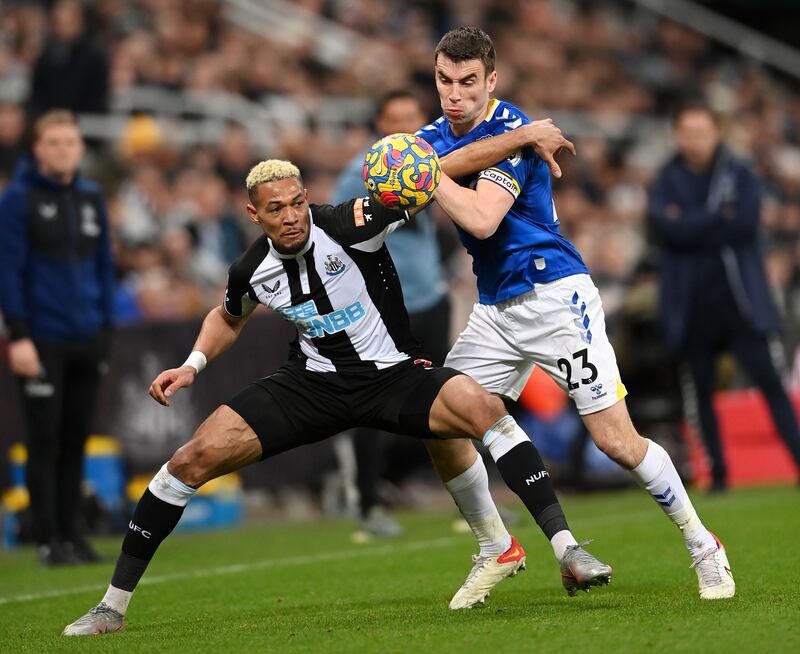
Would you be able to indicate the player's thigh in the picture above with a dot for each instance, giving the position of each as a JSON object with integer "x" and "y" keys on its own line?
{"x": 222, "y": 444}
{"x": 565, "y": 333}
{"x": 487, "y": 351}
{"x": 402, "y": 399}
{"x": 291, "y": 408}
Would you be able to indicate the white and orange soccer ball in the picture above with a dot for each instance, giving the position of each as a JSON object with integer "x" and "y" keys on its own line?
{"x": 401, "y": 171}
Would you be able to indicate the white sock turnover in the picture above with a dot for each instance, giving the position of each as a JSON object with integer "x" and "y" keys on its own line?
{"x": 170, "y": 489}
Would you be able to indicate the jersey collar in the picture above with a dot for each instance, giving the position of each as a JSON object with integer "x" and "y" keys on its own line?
{"x": 490, "y": 111}
{"x": 493, "y": 104}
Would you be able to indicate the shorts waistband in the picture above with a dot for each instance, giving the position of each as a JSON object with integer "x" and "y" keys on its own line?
{"x": 514, "y": 301}
{"x": 538, "y": 287}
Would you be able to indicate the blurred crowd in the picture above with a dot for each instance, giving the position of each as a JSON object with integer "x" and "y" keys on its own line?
{"x": 609, "y": 72}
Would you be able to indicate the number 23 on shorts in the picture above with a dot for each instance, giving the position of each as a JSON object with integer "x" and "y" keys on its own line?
{"x": 582, "y": 356}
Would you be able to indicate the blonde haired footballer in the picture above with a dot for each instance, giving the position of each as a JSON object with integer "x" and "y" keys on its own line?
{"x": 271, "y": 170}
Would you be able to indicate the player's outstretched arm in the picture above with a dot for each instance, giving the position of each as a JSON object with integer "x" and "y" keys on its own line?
{"x": 219, "y": 331}
{"x": 478, "y": 212}
{"x": 543, "y": 136}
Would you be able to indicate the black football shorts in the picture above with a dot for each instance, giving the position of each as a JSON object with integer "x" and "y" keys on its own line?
{"x": 295, "y": 406}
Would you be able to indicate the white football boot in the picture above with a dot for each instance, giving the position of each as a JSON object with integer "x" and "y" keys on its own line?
{"x": 714, "y": 574}
{"x": 486, "y": 573}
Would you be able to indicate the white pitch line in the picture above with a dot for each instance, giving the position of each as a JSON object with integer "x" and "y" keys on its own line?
{"x": 299, "y": 560}
{"x": 246, "y": 567}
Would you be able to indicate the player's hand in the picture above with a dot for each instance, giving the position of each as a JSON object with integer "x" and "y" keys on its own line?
{"x": 24, "y": 358}
{"x": 547, "y": 140}
{"x": 168, "y": 382}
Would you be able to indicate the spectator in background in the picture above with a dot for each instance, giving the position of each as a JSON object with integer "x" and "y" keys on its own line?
{"x": 415, "y": 253}
{"x": 705, "y": 207}
{"x": 71, "y": 72}
{"x": 56, "y": 296}
{"x": 235, "y": 156}
{"x": 204, "y": 211}
{"x": 12, "y": 132}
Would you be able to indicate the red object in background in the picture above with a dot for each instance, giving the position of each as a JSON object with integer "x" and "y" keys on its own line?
{"x": 542, "y": 396}
{"x": 753, "y": 451}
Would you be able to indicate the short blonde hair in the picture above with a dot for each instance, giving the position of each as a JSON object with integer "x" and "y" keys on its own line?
{"x": 271, "y": 170}
{"x": 53, "y": 117}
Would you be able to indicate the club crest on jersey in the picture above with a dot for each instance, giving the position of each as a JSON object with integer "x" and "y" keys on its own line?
{"x": 515, "y": 158}
{"x": 47, "y": 210}
{"x": 334, "y": 265}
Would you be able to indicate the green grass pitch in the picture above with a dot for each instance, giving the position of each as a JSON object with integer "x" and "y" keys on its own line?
{"x": 308, "y": 588}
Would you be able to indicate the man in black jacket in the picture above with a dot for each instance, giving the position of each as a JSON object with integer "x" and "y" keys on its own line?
{"x": 705, "y": 208}
{"x": 56, "y": 295}
{"x": 71, "y": 71}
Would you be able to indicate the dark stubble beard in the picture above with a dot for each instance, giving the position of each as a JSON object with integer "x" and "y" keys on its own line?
{"x": 294, "y": 249}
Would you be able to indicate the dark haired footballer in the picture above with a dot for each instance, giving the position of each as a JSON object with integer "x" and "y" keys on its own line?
{"x": 537, "y": 303}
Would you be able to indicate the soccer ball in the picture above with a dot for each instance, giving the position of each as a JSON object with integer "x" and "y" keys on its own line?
{"x": 401, "y": 171}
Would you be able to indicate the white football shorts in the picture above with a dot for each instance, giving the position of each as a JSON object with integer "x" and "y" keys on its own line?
{"x": 559, "y": 326}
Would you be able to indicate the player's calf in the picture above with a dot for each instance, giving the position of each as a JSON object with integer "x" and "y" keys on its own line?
{"x": 156, "y": 515}
{"x": 222, "y": 444}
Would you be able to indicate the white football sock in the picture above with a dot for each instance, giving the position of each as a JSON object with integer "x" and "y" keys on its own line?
{"x": 657, "y": 475}
{"x": 561, "y": 541}
{"x": 117, "y": 599}
{"x": 470, "y": 490}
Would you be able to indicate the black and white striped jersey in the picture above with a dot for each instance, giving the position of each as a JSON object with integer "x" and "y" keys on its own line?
{"x": 341, "y": 291}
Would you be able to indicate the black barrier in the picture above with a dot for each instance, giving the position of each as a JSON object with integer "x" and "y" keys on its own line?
{"x": 149, "y": 432}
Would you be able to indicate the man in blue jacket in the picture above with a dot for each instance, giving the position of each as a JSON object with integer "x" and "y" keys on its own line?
{"x": 56, "y": 293}
{"x": 705, "y": 207}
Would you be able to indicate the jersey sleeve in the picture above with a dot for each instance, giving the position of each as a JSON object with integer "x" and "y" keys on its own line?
{"x": 240, "y": 298}
{"x": 511, "y": 173}
{"x": 362, "y": 223}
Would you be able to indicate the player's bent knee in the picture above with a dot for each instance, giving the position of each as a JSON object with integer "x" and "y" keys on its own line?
{"x": 191, "y": 463}
{"x": 614, "y": 434}
{"x": 477, "y": 409}
{"x": 488, "y": 409}
{"x": 625, "y": 447}
{"x": 222, "y": 444}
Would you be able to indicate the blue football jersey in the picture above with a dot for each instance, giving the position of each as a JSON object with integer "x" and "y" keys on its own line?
{"x": 527, "y": 247}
